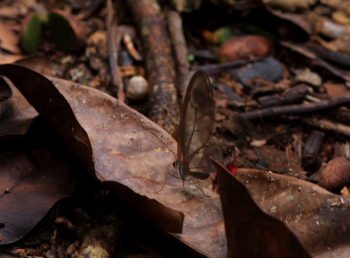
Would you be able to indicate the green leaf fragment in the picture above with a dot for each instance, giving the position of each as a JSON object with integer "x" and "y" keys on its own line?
{"x": 32, "y": 34}
{"x": 62, "y": 32}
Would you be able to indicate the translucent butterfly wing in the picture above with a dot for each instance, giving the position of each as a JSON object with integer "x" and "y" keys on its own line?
{"x": 197, "y": 117}
{"x": 201, "y": 162}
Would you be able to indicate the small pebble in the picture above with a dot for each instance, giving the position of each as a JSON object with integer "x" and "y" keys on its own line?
{"x": 307, "y": 76}
{"x": 137, "y": 88}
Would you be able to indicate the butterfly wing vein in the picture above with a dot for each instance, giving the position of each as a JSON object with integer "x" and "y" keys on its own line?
{"x": 196, "y": 121}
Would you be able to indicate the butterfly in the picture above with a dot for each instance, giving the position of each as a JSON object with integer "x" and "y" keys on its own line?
{"x": 195, "y": 128}
{"x": 196, "y": 124}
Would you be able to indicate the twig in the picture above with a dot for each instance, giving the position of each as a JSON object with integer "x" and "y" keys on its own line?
{"x": 296, "y": 109}
{"x": 311, "y": 149}
{"x": 216, "y": 68}
{"x": 114, "y": 39}
{"x": 180, "y": 51}
{"x": 326, "y": 124}
{"x": 291, "y": 95}
{"x": 203, "y": 53}
{"x": 164, "y": 106}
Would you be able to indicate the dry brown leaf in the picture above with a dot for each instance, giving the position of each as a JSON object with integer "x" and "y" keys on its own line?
{"x": 8, "y": 59}
{"x": 17, "y": 115}
{"x": 9, "y": 40}
{"x": 116, "y": 145}
{"x": 320, "y": 219}
{"x": 31, "y": 183}
{"x": 251, "y": 232}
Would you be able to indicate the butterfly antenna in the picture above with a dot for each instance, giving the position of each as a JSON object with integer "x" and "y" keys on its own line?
{"x": 165, "y": 145}
{"x": 174, "y": 156}
{"x": 166, "y": 179}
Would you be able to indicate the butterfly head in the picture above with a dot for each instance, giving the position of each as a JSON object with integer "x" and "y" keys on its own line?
{"x": 176, "y": 164}
{"x": 179, "y": 168}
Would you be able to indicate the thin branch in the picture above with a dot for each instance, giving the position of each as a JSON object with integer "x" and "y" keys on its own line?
{"x": 296, "y": 109}
{"x": 326, "y": 124}
{"x": 114, "y": 39}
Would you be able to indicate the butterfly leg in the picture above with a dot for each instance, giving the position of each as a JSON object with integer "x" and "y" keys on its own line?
{"x": 163, "y": 183}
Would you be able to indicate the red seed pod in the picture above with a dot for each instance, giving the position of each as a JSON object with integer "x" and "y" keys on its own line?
{"x": 336, "y": 174}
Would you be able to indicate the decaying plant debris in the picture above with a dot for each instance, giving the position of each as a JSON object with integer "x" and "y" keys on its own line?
{"x": 88, "y": 170}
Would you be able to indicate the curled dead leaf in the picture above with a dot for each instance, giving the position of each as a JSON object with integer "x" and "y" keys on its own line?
{"x": 17, "y": 114}
{"x": 250, "y": 232}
